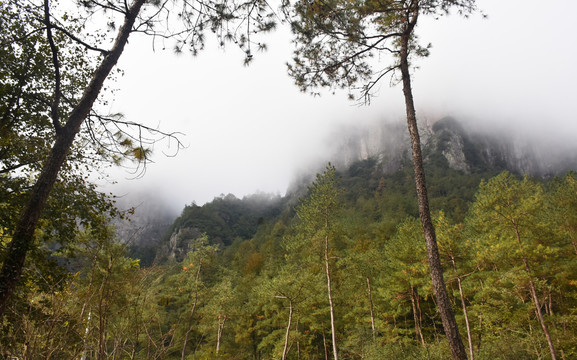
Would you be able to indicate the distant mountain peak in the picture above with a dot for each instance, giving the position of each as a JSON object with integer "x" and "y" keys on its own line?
{"x": 463, "y": 148}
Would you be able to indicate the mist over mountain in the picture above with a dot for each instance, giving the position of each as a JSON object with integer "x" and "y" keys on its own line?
{"x": 370, "y": 159}
{"x": 464, "y": 145}
{"x": 142, "y": 232}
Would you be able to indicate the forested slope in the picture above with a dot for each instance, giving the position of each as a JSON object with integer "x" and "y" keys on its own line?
{"x": 247, "y": 278}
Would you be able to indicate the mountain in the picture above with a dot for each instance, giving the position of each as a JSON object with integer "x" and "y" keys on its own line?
{"x": 465, "y": 147}
{"x": 375, "y": 169}
{"x": 144, "y": 229}
{"x": 224, "y": 220}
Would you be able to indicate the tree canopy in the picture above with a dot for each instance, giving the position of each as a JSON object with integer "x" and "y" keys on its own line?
{"x": 56, "y": 69}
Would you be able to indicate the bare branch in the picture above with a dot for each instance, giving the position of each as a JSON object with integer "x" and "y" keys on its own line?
{"x": 57, "y": 79}
{"x": 23, "y": 37}
{"x": 79, "y": 41}
{"x": 15, "y": 167}
{"x": 112, "y": 135}
{"x": 366, "y": 89}
{"x": 108, "y": 6}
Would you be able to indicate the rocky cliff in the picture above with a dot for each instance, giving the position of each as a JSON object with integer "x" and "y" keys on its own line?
{"x": 460, "y": 146}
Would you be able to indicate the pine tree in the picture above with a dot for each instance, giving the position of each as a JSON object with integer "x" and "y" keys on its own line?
{"x": 318, "y": 213}
{"x": 507, "y": 216}
{"x": 336, "y": 41}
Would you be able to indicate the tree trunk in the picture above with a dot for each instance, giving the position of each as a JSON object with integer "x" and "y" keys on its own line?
{"x": 325, "y": 346}
{"x": 465, "y": 313}
{"x": 191, "y": 315}
{"x": 371, "y": 309}
{"x": 85, "y": 305}
{"x": 541, "y": 319}
{"x": 221, "y": 321}
{"x": 86, "y": 332}
{"x": 23, "y": 236}
{"x": 101, "y": 331}
{"x": 103, "y": 312}
{"x": 417, "y": 317}
{"x": 298, "y": 342}
{"x": 327, "y": 270}
{"x": 439, "y": 289}
{"x": 535, "y": 298}
{"x": 288, "y": 329}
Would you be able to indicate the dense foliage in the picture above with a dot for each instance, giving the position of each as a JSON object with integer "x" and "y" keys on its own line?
{"x": 56, "y": 60}
{"x": 343, "y": 273}
{"x": 264, "y": 296}
{"x": 27, "y": 132}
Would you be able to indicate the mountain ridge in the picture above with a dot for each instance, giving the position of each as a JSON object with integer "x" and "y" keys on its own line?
{"x": 371, "y": 162}
{"x": 465, "y": 147}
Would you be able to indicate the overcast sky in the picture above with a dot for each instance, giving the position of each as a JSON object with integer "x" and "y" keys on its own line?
{"x": 249, "y": 129}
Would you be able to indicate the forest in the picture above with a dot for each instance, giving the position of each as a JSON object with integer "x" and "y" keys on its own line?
{"x": 357, "y": 263}
{"x": 247, "y": 278}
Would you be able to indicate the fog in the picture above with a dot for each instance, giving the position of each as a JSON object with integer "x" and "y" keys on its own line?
{"x": 249, "y": 129}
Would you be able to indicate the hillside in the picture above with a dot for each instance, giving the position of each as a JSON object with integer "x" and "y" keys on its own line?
{"x": 259, "y": 274}
{"x": 372, "y": 164}
{"x": 249, "y": 278}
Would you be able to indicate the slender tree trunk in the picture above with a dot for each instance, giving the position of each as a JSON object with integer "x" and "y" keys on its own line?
{"x": 417, "y": 299}
{"x": 443, "y": 303}
{"x": 188, "y": 330}
{"x": 325, "y": 345}
{"x": 371, "y": 309}
{"x": 191, "y": 315}
{"x": 465, "y": 313}
{"x": 103, "y": 308}
{"x": 541, "y": 319}
{"x": 417, "y": 318}
{"x": 23, "y": 236}
{"x": 288, "y": 329}
{"x": 298, "y": 342}
{"x": 102, "y": 330}
{"x": 86, "y": 332}
{"x": 327, "y": 270}
{"x": 221, "y": 321}
{"x": 535, "y": 298}
{"x": 85, "y": 305}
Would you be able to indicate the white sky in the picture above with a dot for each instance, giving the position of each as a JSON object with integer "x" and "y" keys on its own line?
{"x": 249, "y": 129}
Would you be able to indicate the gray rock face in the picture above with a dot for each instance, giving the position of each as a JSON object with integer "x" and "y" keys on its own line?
{"x": 388, "y": 142}
{"x": 148, "y": 223}
{"x": 456, "y": 157}
{"x": 462, "y": 148}
{"x": 179, "y": 244}
{"x": 452, "y": 146}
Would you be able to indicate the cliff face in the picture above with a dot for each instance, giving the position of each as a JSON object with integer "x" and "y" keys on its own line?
{"x": 511, "y": 150}
{"x": 179, "y": 244}
{"x": 462, "y": 148}
{"x": 143, "y": 231}
{"x": 388, "y": 142}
